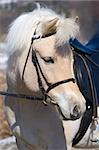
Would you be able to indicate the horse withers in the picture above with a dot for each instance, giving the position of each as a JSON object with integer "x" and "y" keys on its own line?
{"x": 42, "y": 67}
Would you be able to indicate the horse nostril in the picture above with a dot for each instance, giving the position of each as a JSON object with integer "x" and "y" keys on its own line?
{"x": 76, "y": 112}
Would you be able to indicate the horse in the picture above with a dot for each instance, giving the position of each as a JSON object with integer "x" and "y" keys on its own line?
{"x": 41, "y": 84}
{"x": 84, "y": 132}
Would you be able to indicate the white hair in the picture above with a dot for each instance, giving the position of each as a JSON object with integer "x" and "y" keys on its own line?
{"x": 22, "y": 29}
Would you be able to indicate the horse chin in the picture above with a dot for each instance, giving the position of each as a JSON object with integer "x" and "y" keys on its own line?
{"x": 67, "y": 118}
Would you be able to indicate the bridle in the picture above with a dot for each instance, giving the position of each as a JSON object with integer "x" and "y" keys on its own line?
{"x": 40, "y": 76}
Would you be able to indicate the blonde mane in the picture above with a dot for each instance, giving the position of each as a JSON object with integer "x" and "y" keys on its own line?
{"x": 22, "y": 29}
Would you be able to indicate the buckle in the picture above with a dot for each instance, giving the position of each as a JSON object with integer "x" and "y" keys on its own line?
{"x": 94, "y": 135}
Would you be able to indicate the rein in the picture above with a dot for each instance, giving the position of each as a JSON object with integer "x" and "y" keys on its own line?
{"x": 19, "y": 95}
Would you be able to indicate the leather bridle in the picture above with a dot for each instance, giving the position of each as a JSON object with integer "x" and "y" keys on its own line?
{"x": 40, "y": 76}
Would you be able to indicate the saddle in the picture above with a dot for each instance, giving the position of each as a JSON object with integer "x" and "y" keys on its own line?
{"x": 86, "y": 69}
{"x": 90, "y": 53}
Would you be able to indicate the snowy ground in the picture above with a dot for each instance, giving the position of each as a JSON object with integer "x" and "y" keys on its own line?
{"x": 8, "y": 144}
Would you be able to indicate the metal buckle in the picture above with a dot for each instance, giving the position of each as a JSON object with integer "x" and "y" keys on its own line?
{"x": 94, "y": 135}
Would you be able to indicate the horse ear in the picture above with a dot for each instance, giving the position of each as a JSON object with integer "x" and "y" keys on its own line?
{"x": 77, "y": 19}
{"x": 50, "y": 26}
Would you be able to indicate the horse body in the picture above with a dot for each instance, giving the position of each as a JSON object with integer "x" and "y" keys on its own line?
{"x": 35, "y": 125}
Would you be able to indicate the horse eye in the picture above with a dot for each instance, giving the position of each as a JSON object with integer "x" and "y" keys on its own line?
{"x": 48, "y": 59}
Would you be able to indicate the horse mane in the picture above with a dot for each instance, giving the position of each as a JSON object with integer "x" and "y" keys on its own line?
{"x": 22, "y": 29}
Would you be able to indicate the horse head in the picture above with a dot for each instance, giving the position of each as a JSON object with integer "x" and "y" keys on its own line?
{"x": 51, "y": 34}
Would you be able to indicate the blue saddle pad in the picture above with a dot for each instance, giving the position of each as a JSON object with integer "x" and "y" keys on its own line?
{"x": 91, "y": 49}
